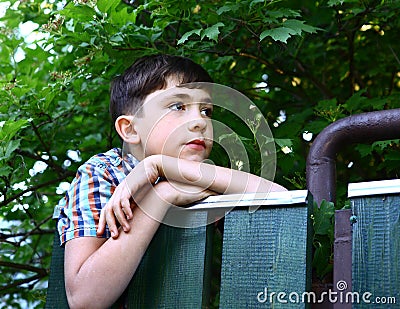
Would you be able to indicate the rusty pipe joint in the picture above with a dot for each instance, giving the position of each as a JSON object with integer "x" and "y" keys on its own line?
{"x": 360, "y": 128}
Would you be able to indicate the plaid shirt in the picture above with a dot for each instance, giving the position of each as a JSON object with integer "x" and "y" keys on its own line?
{"x": 91, "y": 189}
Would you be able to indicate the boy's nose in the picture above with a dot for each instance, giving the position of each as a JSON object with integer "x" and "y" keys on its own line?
{"x": 198, "y": 124}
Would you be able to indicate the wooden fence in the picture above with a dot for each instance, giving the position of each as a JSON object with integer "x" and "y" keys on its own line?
{"x": 264, "y": 253}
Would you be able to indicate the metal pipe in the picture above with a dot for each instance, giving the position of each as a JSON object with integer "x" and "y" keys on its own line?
{"x": 360, "y": 128}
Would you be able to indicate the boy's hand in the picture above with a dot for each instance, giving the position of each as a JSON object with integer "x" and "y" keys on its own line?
{"x": 179, "y": 194}
{"x": 121, "y": 202}
{"x": 119, "y": 208}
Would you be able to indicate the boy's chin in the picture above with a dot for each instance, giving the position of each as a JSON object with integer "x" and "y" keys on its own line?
{"x": 197, "y": 158}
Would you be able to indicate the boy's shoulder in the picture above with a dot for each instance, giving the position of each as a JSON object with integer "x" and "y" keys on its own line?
{"x": 102, "y": 160}
{"x": 113, "y": 158}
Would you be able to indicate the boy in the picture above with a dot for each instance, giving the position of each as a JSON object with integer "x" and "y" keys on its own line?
{"x": 167, "y": 132}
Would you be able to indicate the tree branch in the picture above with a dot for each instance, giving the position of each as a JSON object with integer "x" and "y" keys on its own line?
{"x": 37, "y": 228}
{"x": 45, "y": 146}
{"x": 34, "y": 188}
{"x": 39, "y": 271}
{"x": 50, "y": 163}
{"x": 4, "y": 237}
{"x": 21, "y": 281}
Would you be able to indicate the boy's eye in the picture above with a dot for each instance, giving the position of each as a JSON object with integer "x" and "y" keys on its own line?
{"x": 178, "y": 106}
{"x": 207, "y": 112}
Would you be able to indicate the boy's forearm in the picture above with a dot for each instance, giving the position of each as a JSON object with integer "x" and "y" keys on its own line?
{"x": 219, "y": 179}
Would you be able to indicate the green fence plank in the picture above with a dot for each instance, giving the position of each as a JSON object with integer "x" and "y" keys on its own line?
{"x": 56, "y": 297}
{"x": 171, "y": 275}
{"x": 172, "y": 272}
{"x": 376, "y": 249}
{"x": 266, "y": 253}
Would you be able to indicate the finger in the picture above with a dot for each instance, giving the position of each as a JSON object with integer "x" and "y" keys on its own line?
{"x": 210, "y": 192}
{"x": 112, "y": 226}
{"x": 126, "y": 208}
{"x": 102, "y": 223}
{"x": 206, "y": 193}
{"x": 120, "y": 215}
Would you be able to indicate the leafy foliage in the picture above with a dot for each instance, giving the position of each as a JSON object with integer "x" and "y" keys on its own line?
{"x": 322, "y": 218}
{"x": 305, "y": 64}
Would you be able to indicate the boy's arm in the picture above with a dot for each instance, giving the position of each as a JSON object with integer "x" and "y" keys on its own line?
{"x": 97, "y": 270}
{"x": 216, "y": 178}
{"x": 202, "y": 175}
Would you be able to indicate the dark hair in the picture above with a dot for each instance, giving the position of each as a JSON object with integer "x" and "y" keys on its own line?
{"x": 147, "y": 75}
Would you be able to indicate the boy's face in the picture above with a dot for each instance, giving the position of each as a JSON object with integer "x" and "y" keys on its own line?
{"x": 176, "y": 121}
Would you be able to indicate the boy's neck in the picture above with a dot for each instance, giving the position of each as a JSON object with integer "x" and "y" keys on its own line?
{"x": 133, "y": 150}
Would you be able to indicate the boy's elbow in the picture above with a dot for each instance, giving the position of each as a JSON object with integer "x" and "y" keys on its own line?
{"x": 81, "y": 300}
{"x": 78, "y": 298}
{"x": 74, "y": 301}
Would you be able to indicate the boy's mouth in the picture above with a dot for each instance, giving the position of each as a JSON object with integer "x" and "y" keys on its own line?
{"x": 197, "y": 144}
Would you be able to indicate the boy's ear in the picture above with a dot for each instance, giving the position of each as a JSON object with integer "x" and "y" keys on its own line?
{"x": 125, "y": 127}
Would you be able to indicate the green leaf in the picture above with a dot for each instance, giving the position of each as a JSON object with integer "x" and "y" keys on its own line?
{"x": 364, "y": 150}
{"x": 254, "y": 2}
{"x": 393, "y": 156}
{"x": 232, "y": 138}
{"x": 323, "y": 218}
{"x": 116, "y": 38}
{"x": 283, "y": 142}
{"x": 282, "y": 13}
{"x": 278, "y": 34}
{"x": 227, "y": 8}
{"x": 289, "y": 27}
{"x": 5, "y": 170}
{"x": 324, "y": 105}
{"x": 322, "y": 257}
{"x": 106, "y": 5}
{"x": 383, "y": 144}
{"x": 335, "y": 2}
{"x": 10, "y": 128}
{"x": 355, "y": 101}
{"x": 212, "y": 32}
{"x": 122, "y": 17}
{"x": 78, "y": 12}
{"x": 186, "y": 36}
{"x": 298, "y": 26}
{"x": 6, "y": 149}
{"x": 376, "y": 103}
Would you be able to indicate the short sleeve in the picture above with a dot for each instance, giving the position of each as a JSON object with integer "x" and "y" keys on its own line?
{"x": 81, "y": 207}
